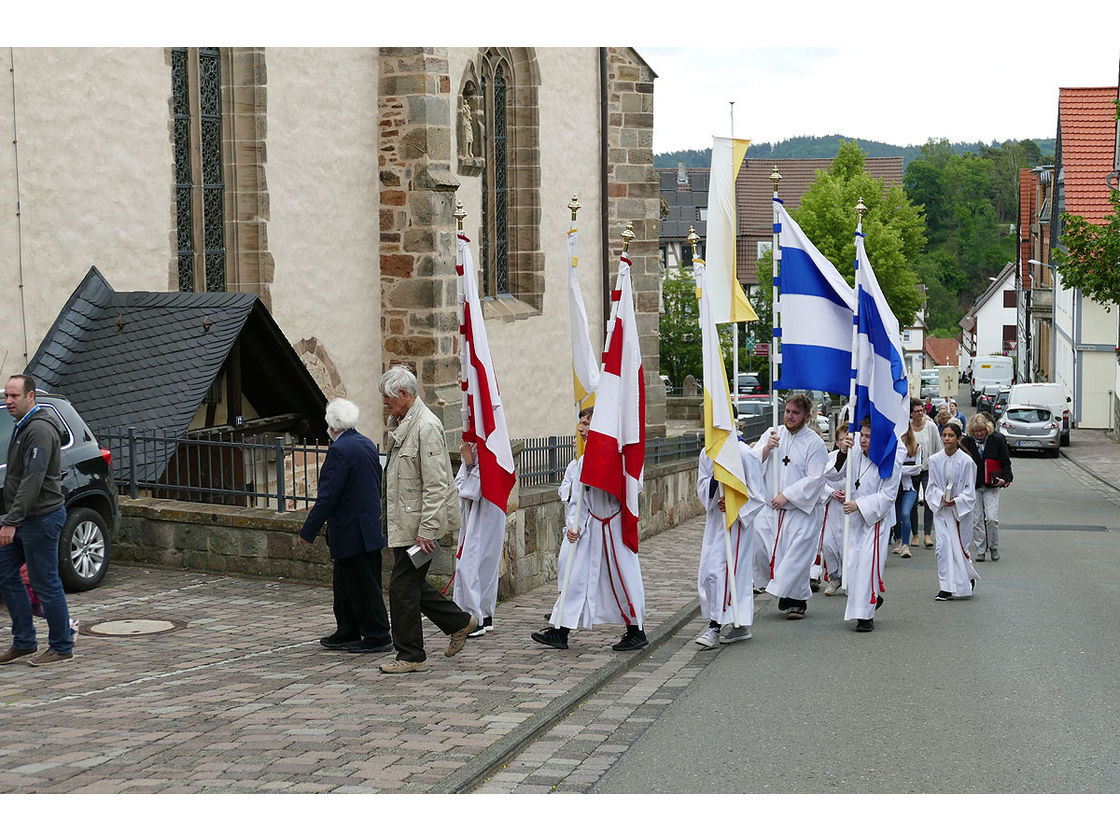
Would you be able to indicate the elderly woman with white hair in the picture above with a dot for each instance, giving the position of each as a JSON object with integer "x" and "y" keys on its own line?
{"x": 989, "y": 450}
{"x": 349, "y": 502}
{"x": 421, "y": 505}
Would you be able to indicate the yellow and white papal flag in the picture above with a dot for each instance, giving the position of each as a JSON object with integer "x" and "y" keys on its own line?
{"x": 728, "y": 301}
{"x": 721, "y": 437}
{"x": 585, "y": 366}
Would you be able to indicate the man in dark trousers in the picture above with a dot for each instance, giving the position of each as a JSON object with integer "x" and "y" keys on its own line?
{"x": 349, "y": 501}
{"x": 35, "y": 512}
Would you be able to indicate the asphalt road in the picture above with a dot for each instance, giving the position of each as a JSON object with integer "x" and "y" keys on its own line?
{"x": 1013, "y": 691}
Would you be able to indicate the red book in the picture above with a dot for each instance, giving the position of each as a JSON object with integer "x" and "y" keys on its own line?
{"x": 991, "y": 471}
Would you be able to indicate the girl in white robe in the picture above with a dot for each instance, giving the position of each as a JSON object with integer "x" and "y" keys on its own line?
{"x": 951, "y": 494}
{"x": 713, "y": 578}
{"x": 870, "y": 512}
{"x": 479, "y": 555}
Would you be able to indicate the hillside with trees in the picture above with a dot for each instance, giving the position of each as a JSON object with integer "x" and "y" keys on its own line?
{"x": 966, "y": 194}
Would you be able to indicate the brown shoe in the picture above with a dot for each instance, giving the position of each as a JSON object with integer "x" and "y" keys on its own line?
{"x": 459, "y": 638}
{"x": 402, "y": 666}
{"x": 929, "y": 541}
{"x": 13, "y": 653}
{"x": 49, "y": 657}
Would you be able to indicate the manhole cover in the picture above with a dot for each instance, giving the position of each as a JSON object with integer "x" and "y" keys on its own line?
{"x": 132, "y": 627}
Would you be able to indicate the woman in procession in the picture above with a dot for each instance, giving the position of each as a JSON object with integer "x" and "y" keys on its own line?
{"x": 951, "y": 494}
{"x": 907, "y": 492}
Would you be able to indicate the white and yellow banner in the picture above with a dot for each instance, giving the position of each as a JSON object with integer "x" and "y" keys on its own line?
{"x": 728, "y": 301}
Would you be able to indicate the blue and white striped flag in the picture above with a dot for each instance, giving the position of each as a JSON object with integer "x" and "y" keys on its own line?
{"x": 881, "y": 388}
{"x": 817, "y": 307}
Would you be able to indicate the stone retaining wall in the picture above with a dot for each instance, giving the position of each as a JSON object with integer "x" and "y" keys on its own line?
{"x": 252, "y": 542}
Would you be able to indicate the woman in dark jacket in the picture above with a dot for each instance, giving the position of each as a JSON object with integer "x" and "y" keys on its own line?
{"x": 989, "y": 450}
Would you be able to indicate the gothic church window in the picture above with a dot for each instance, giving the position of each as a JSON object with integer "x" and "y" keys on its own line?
{"x": 196, "y": 86}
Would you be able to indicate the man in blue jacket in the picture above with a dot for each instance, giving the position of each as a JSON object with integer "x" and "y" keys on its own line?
{"x": 349, "y": 501}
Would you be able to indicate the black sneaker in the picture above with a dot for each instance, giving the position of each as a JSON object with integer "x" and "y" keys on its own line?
{"x": 795, "y": 612}
{"x": 879, "y": 602}
{"x": 365, "y": 646}
{"x": 552, "y": 637}
{"x": 865, "y": 625}
{"x": 785, "y": 603}
{"x": 633, "y": 639}
{"x": 333, "y": 642}
{"x": 943, "y": 596}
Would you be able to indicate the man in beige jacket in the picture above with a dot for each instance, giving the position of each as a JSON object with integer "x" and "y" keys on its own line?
{"x": 421, "y": 505}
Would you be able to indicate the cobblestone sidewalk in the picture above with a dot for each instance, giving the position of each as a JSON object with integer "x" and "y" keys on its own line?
{"x": 244, "y": 699}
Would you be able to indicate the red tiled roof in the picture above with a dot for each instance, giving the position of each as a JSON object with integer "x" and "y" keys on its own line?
{"x": 1087, "y": 132}
{"x": 943, "y": 351}
{"x": 1028, "y": 195}
{"x": 754, "y": 194}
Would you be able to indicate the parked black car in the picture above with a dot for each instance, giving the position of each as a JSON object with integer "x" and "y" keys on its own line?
{"x": 92, "y": 513}
{"x": 987, "y": 399}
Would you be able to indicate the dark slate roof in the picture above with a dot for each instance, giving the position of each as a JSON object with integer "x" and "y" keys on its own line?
{"x": 147, "y": 359}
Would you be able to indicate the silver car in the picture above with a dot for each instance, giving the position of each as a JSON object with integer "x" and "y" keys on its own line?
{"x": 1031, "y": 428}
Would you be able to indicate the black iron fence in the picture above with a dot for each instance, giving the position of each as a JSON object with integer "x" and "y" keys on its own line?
{"x": 229, "y": 468}
{"x": 232, "y": 468}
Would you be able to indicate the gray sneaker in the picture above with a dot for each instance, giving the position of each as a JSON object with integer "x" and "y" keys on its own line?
{"x": 995, "y": 555}
{"x": 735, "y": 634}
{"x": 709, "y": 638}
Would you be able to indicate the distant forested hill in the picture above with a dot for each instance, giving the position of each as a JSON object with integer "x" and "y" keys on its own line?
{"x": 826, "y": 147}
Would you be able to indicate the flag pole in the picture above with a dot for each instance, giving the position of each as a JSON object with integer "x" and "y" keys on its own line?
{"x": 627, "y": 235}
{"x": 574, "y": 206}
{"x": 692, "y": 239}
{"x": 861, "y": 208}
{"x": 775, "y": 338}
{"x": 460, "y": 214}
{"x": 734, "y": 324}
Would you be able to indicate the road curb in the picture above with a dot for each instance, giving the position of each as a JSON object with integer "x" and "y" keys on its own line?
{"x": 1086, "y": 469}
{"x": 484, "y": 764}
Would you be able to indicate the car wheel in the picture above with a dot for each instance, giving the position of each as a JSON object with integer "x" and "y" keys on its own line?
{"x": 1064, "y": 439}
{"x": 83, "y": 550}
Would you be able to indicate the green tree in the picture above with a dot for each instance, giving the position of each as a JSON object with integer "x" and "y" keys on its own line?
{"x": 1091, "y": 259}
{"x": 680, "y": 344}
{"x": 894, "y": 229}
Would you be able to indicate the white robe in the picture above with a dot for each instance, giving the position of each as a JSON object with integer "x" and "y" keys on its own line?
{"x": 569, "y": 488}
{"x": 479, "y": 556}
{"x": 713, "y": 577}
{"x": 603, "y": 576}
{"x": 797, "y": 525}
{"x": 869, "y": 529}
{"x": 827, "y": 565}
{"x": 955, "y": 571}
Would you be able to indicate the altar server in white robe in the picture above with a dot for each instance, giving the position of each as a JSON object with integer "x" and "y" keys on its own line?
{"x": 797, "y": 461}
{"x": 870, "y": 511}
{"x": 569, "y": 485}
{"x": 951, "y": 495}
{"x": 713, "y": 580}
{"x": 600, "y": 577}
{"x": 479, "y": 555}
{"x": 827, "y": 565}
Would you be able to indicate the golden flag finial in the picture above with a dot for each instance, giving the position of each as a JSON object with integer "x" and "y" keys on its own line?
{"x": 692, "y": 239}
{"x": 861, "y": 208}
{"x": 627, "y": 235}
{"x": 775, "y": 177}
{"x": 459, "y": 214}
{"x": 574, "y": 206}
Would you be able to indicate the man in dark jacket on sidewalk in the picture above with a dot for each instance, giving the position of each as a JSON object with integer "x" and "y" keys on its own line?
{"x": 349, "y": 501}
{"x": 35, "y": 512}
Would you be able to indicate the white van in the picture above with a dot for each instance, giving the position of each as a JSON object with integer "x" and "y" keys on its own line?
{"x": 1052, "y": 395}
{"x": 991, "y": 370}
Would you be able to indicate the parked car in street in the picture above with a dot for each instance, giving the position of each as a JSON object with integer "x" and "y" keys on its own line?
{"x": 750, "y": 384}
{"x": 987, "y": 399}
{"x": 1051, "y": 395}
{"x": 1030, "y": 428}
{"x": 1000, "y": 403}
{"x": 92, "y": 512}
{"x": 756, "y": 405}
{"x": 930, "y": 385}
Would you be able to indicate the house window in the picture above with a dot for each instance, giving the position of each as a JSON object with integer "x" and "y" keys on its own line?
{"x": 494, "y": 74}
{"x": 1009, "y": 299}
{"x": 196, "y": 92}
{"x": 1009, "y": 332}
{"x": 906, "y": 336}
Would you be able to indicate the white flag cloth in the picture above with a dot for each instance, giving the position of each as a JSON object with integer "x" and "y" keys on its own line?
{"x": 616, "y": 442}
{"x": 729, "y": 301}
{"x": 817, "y": 307}
{"x": 484, "y": 420}
{"x": 721, "y": 436}
{"x": 585, "y": 368}
{"x": 881, "y": 387}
